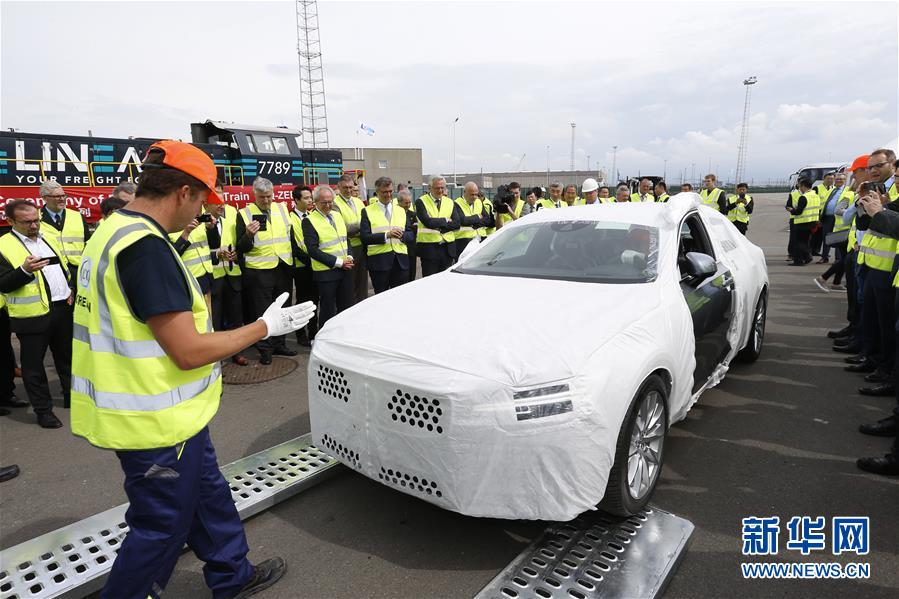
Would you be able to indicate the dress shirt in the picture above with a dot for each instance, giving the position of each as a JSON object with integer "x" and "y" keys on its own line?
{"x": 832, "y": 200}
{"x": 56, "y": 280}
{"x": 57, "y": 216}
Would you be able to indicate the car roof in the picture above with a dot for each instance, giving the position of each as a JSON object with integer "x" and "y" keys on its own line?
{"x": 654, "y": 214}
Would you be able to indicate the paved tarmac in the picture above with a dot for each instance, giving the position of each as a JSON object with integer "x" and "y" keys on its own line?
{"x": 778, "y": 437}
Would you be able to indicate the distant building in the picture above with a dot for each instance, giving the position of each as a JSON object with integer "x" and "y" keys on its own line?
{"x": 403, "y": 165}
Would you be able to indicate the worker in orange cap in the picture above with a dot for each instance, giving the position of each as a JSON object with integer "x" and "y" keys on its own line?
{"x": 849, "y": 339}
{"x": 146, "y": 382}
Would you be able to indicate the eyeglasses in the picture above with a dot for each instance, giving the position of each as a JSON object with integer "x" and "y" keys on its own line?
{"x": 30, "y": 223}
{"x": 874, "y": 167}
{"x": 56, "y": 197}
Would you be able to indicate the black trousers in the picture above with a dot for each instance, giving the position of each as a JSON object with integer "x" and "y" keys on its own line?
{"x": 436, "y": 261}
{"x": 839, "y": 264}
{"x": 461, "y": 244}
{"x": 827, "y": 222}
{"x": 790, "y": 241}
{"x": 800, "y": 235}
{"x": 306, "y": 291}
{"x": 382, "y": 280}
{"x": 853, "y": 313}
{"x": 263, "y": 287}
{"x": 57, "y": 337}
{"x": 359, "y": 274}
{"x": 741, "y": 227}
{"x": 227, "y": 304}
{"x": 7, "y": 358}
{"x": 413, "y": 265}
{"x": 879, "y": 318}
{"x": 816, "y": 239}
{"x": 335, "y": 296}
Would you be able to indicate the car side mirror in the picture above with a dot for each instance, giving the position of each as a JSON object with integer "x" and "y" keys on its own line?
{"x": 699, "y": 266}
{"x": 469, "y": 249}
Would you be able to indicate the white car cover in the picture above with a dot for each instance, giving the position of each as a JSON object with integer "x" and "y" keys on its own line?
{"x": 504, "y": 396}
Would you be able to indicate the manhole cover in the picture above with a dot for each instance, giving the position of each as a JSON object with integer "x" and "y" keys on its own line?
{"x": 254, "y": 372}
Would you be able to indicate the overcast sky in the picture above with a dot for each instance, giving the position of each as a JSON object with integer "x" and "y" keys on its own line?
{"x": 659, "y": 80}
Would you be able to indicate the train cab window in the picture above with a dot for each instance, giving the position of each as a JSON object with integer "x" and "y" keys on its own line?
{"x": 264, "y": 143}
{"x": 281, "y": 145}
{"x": 251, "y": 144}
{"x": 693, "y": 238}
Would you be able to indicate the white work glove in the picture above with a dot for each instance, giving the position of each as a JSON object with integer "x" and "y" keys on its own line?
{"x": 280, "y": 320}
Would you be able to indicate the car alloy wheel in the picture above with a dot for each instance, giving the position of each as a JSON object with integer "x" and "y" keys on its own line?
{"x": 753, "y": 348}
{"x": 645, "y": 450}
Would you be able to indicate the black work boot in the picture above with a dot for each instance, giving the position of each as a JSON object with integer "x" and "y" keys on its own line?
{"x": 265, "y": 574}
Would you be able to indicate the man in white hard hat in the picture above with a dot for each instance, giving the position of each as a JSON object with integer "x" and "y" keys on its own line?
{"x": 590, "y": 189}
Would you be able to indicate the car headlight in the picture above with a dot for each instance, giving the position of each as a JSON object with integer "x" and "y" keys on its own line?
{"x": 541, "y": 402}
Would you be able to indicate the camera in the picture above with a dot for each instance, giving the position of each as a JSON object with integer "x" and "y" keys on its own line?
{"x": 503, "y": 200}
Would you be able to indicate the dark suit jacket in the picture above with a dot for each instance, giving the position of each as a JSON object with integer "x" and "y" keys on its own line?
{"x": 386, "y": 261}
{"x": 310, "y": 237}
{"x": 436, "y": 250}
{"x": 12, "y": 278}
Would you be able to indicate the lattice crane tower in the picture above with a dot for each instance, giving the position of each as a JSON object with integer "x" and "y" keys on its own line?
{"x": 744, "y": 132}
{"x": 313, "y": 114}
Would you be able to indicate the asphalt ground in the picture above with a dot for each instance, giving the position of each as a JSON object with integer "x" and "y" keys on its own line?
{"x": 775, "y": 438}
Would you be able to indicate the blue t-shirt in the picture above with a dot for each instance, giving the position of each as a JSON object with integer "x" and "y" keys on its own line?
{"x": 152, "y": 279}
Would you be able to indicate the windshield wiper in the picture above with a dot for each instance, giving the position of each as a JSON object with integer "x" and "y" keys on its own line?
{"x": 493, "y": 260}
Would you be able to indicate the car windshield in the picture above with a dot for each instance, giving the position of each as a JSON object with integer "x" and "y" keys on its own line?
{"x": 574, "y": 250}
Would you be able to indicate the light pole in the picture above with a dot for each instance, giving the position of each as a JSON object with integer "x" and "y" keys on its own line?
{"x": 573, "y": 125}
{"x": 692, "y": 172}
{"x": 614, "y": 176}
{"x": 454, "y": 151}
{"x": 744, "y": 131}
{"x": 665, "y": 171}
{"x": 547, "y": 167}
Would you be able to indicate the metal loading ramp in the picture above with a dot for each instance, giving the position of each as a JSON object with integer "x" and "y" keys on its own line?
{"x": 74, "y": 561}
{"x": 597, "y": 555}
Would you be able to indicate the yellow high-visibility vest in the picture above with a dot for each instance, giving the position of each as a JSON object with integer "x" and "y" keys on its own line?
{"x": 127, "y": 393}
{"x": 379, "y": 224}
{"x": 812, "y": 210}
{"x": 332, "y": 239}
{"x": 273, "y": 244}
{"x": 737, "y": 213}
{"x": 507, "y": 218}
{"x": 296, "y": 221}
{"x": 847, "y": 197}
{"x": 877, "y": 251}
{"x": 229, "y": 238}
{"x": 196, "y": 257}
{"x": 31, "y": 299}
{"x": 351, "y": 215}
{"x": 474, "y": 209}
{"x": 70, "y": 239}
{"x": 445, "y": 210}
{"x": 711, "y": 198}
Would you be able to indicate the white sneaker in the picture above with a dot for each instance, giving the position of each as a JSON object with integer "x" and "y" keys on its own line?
{"x": 822, "y": 284}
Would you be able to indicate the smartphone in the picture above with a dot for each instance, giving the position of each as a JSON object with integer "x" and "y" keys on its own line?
{"x": 869, "y": 186}
{"x": 204, "y": 218}
{"x": 262, "y": 220}
{"x": 51, "y": 260}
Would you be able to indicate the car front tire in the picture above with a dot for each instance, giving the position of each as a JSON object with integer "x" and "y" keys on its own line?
{"x": 639, "y": 451}
{"x": 753, "y": 348}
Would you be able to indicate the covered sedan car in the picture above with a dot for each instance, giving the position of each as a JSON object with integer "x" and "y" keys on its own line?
{"x": 537, "y": 378}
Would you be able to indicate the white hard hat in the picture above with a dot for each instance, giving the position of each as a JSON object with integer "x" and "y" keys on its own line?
{"x": 590, "y": 185}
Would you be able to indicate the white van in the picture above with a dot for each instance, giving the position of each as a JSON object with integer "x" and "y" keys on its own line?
{"x": 816, "y": 172}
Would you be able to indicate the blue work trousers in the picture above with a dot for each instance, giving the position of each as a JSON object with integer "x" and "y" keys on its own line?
{"x": 178, "y": 495}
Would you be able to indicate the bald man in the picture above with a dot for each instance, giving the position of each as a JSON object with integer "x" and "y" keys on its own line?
{"x": 470, "y": 212}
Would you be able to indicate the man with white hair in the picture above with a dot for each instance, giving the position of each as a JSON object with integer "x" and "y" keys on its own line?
{"x": 326, "y": 237}
{"x": 263, "y": 239}
{"x": 63, "y": 225}
{"x": 555, "y": 195}
{"x": 437, "y": 225}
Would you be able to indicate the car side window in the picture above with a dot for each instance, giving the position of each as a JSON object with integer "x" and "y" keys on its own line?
{"x": 693, "y": 238}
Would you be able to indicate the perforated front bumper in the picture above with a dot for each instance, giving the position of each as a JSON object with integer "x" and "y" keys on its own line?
{"x": 470, "y": 447}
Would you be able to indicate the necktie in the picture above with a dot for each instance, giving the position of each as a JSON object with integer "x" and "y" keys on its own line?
{"x": 330, "y": 220}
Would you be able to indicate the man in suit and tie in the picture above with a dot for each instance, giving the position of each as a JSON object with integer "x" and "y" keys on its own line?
{"x": 404, "y": 200}
{"x": 437, "y": 225}
{"x": 38, "y": 290}
{"x": 63, "y": 225}
{"x": 385, "y": 230}
{"x": 302, "y": 272}
{"x": 325, "y": 236}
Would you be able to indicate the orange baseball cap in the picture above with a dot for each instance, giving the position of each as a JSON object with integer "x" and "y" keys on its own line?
{"x": 192, "y": 160}
{"x": 860, "y": 162}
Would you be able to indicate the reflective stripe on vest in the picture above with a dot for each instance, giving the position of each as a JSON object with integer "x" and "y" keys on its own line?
{"x": 544, "y": 203}
{"x": 351, "y": 215}
{"x": 229, "y": 238}
{"x": 877, "y": 251}
{"x": 379, "y": 224}
{"x": 332, "y": 239}
{"x": 70, "y": 239}
{"x": 273, "y": 244}
{"x": 474, "y": 209}
{"x": 812, "y": 209}
{"x": 127, "y": 393}
{"x": 737, "y": 213}
{"x": 32, "y": 299}
{"x": 710, "y": 198}
{"x": 663, "y": 198}
{"x": 196, "y": 256}
{"x": 426, "y": 235}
